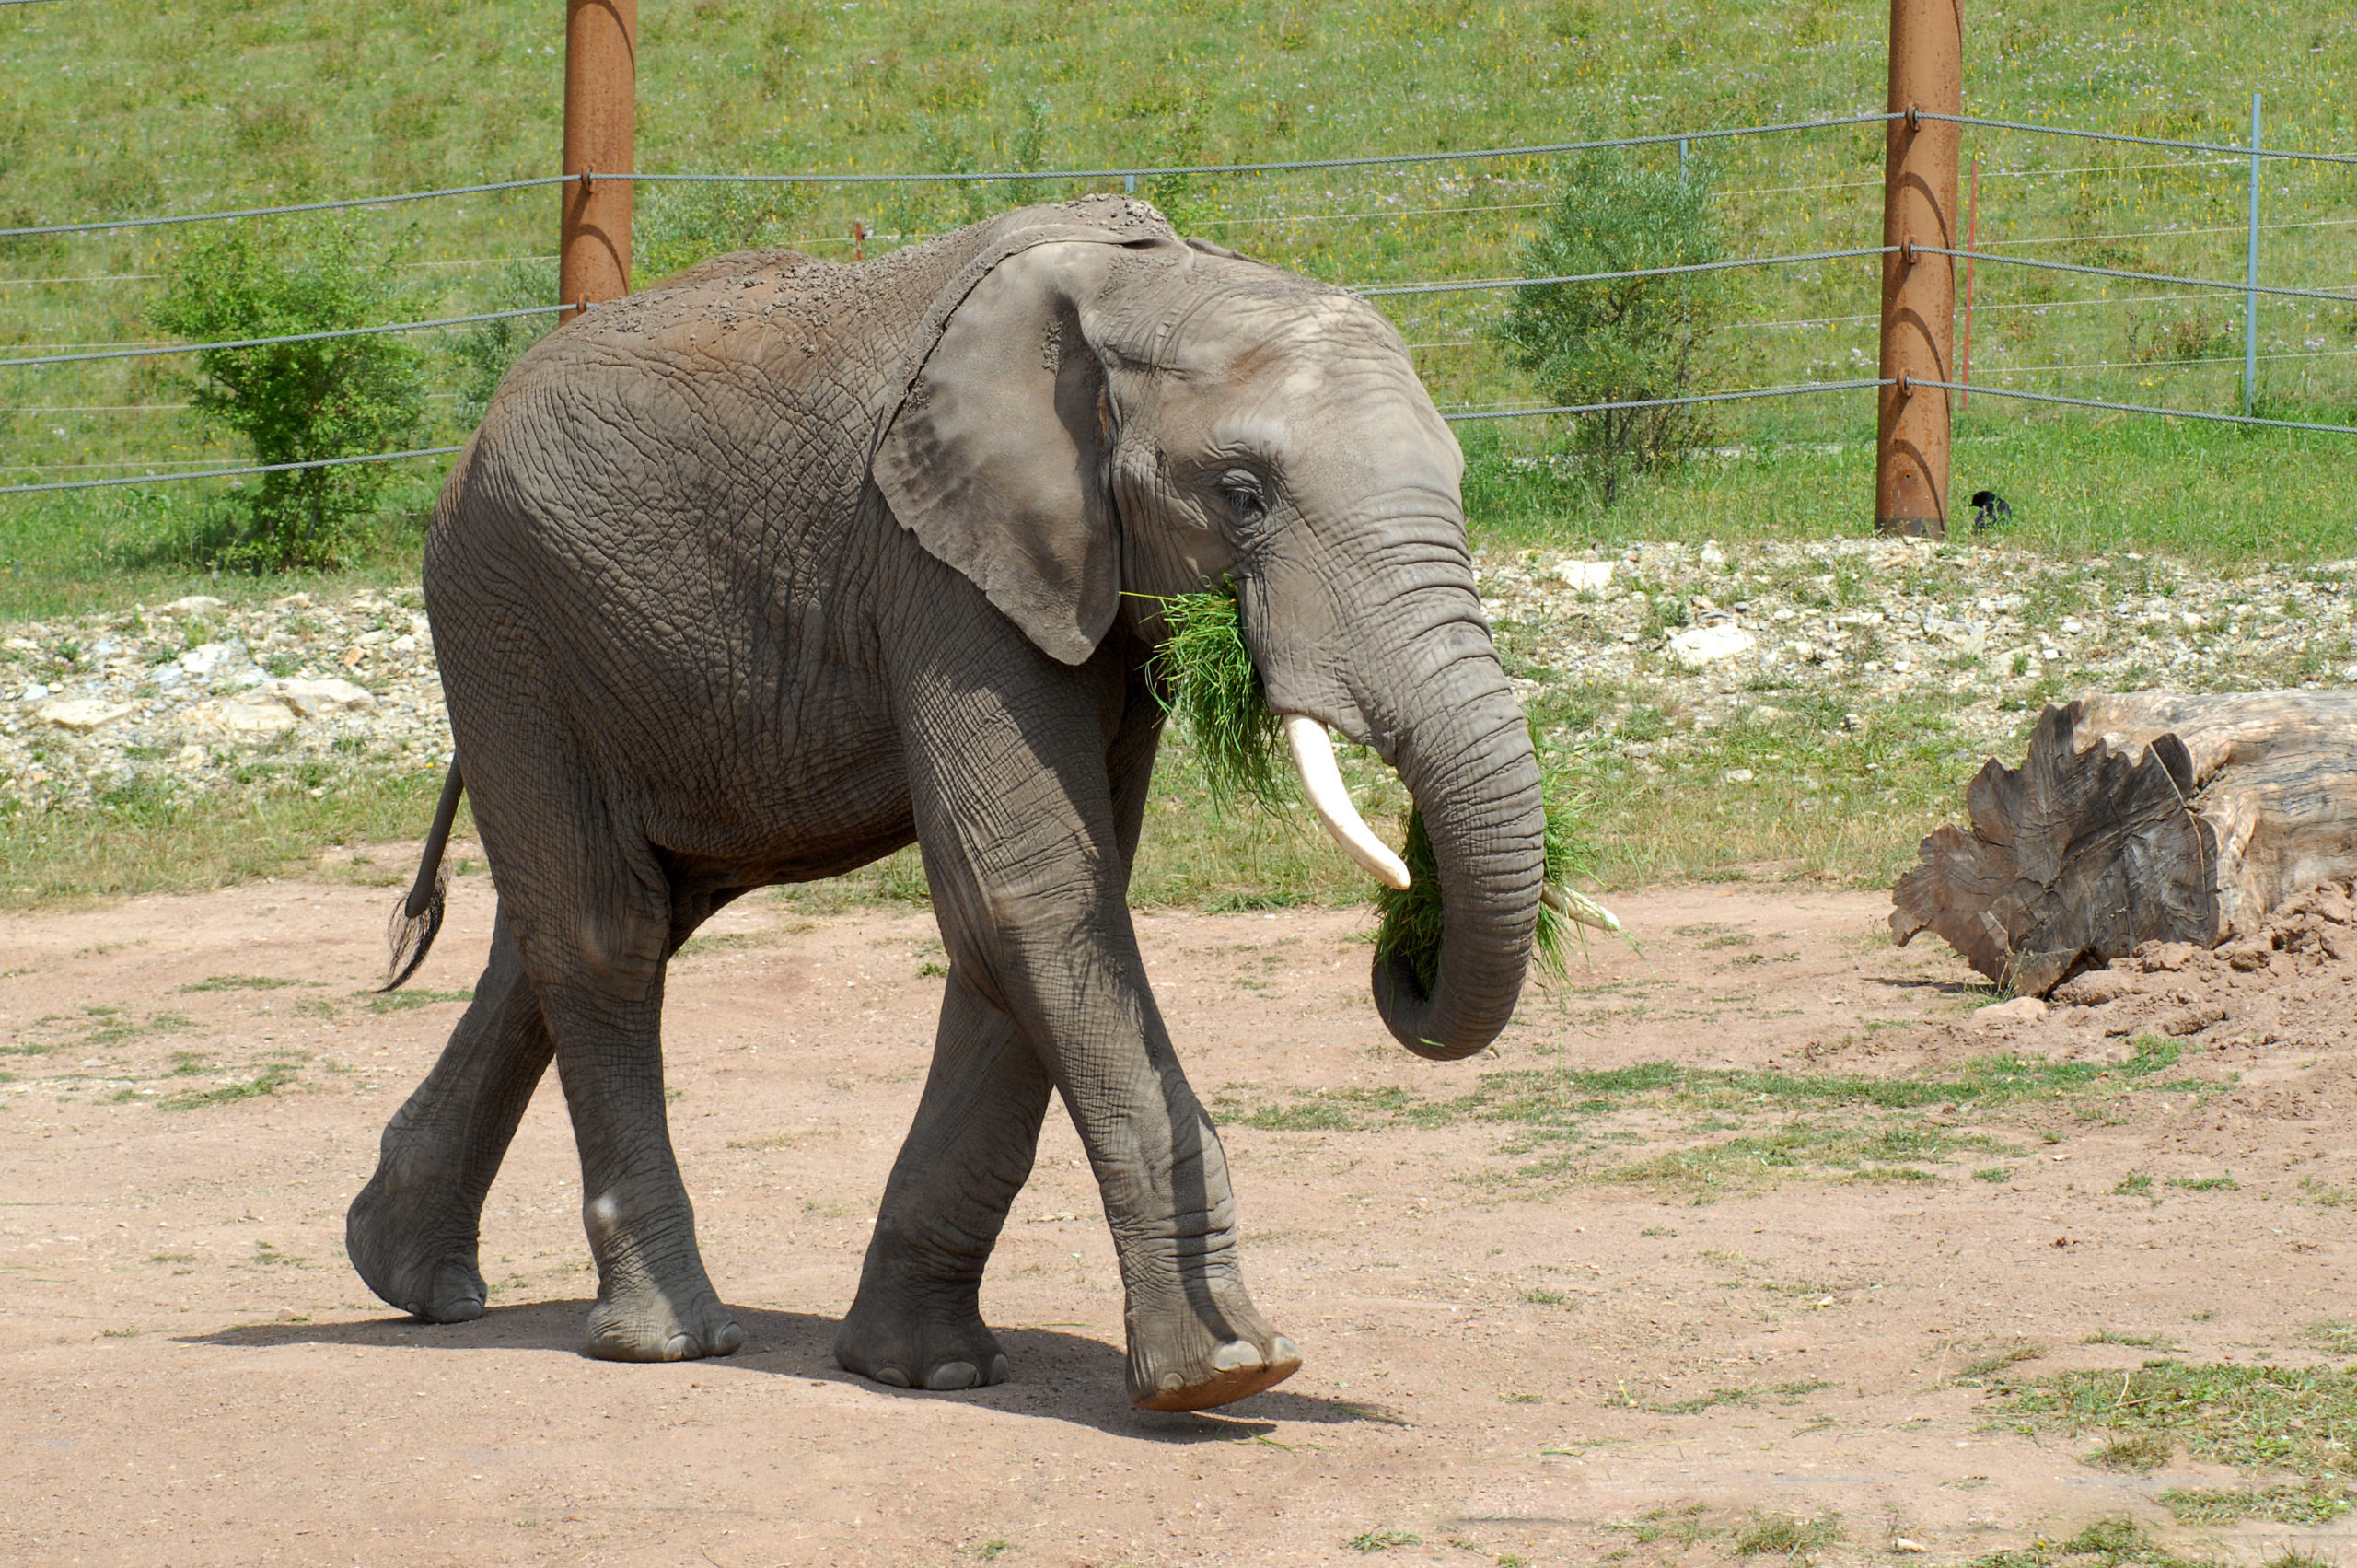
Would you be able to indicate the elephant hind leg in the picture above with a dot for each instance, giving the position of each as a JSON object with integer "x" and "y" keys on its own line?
{"x": 413, "y": 1232}
{"x": 917, "y": 1321}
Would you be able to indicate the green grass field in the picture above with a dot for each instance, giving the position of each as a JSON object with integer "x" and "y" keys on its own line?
{"x": 108, "y": 108}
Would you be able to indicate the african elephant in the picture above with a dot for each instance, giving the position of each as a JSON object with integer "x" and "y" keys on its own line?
{"x": 763, "y": 573}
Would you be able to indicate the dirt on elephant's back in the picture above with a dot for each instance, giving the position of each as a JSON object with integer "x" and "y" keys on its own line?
{"x": 1756, "y": 1240}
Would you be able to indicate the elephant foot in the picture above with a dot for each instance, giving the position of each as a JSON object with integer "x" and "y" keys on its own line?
{"x": 896, "y": 1339}
{"x": 1202, "y": 1345}
{"x": 654, "y": 1303}
{"x": 411, "y": 1251}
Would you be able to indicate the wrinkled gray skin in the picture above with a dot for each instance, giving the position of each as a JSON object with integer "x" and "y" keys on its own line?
{"x": 762, "y": 573}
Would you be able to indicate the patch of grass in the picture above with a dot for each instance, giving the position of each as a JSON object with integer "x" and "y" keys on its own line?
{"x": 240, "y": 983}
{"x": 2136, "y": 1185}
{"x": 403, "y": 1001}
{"x": 1382, "y": 1541}
{"x": 1986, "y": 1366}
{"x": 2137, "y": 1341}
{"x": 2334, "y": 1336}
{"x": 2278, "y": 1505}
{"x": 1784, "y": 1535}
{"x": 270, "y": 827}
{"x": 2300, "y": 1420}
{"x": 2140, "y": 1452}
{"x": 2107, "y": 1543}
{"x": 1993, "y": 1173}
{"x": 2206, "y": 1183}
{"x": 269, "y": 1081}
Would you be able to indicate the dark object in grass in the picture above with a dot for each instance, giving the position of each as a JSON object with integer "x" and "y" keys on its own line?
{"x": 1988, "y": 509}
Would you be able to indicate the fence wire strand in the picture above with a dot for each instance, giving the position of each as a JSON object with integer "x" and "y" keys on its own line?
{"x": 2139, "y": 141}
{"x": 1372, "y": 160}
{"x": 1978, "y": 390}
{"x": 225, "y": 473}
{"x": 150, "y": 353}
{"x": 2045, "y": 266}
{"x": 1797, "y": 389}
{"x": 1372, "y": 290}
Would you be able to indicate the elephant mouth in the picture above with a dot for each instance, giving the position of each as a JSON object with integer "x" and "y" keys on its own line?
{"x": 1321, "y": 780}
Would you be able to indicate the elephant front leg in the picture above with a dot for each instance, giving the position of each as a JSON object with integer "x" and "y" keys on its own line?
{"x": 917, "y": 1322}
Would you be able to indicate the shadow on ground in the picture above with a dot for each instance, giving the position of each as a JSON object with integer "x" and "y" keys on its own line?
{"x": 1058, "y": 1376}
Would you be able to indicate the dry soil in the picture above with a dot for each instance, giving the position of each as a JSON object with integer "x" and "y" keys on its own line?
{"x": 1546, "y": 1318}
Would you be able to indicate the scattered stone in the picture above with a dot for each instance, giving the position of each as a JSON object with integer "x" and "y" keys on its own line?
{"x": 1588, "y": 575}
{"x": 83, "y": 714}
{"x": 257, "y": 718}
{"x": 315, "y": 699}
{"x": 2185, "y": 1021}
{"x": 2020, "y": 1010}
{"x": 1698, "y": 645}
{"x": 194, "y": 605}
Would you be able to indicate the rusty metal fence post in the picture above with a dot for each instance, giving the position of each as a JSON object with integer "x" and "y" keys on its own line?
{"x": 1918, "y": 290}
{"x": 601, "y": 141}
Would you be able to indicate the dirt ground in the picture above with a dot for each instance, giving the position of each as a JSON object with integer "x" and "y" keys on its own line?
{"x": 1522, "y": 1344}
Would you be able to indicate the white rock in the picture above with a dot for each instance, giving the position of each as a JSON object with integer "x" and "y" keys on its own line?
{"x": 1737, "y": 775}
{"x": 2020, "y": 1010}
{"x": 35, "y": 693}
{"x": 316, "y": 698}
{"x": 84, "y": 714}
{"x": 195, "y": 604}
{"x": 1580, "y": 573}
{"x": 257, "y": 718}
{"x": 1707, "y": 644}
{"x": 216, "y": 662}
{"x": 1711, "y": 555}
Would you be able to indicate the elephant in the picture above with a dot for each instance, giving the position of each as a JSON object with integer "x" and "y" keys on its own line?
{"x": 769, "y": 570}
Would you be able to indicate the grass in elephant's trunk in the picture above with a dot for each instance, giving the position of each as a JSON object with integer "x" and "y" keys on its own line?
{"x": 1209, "y": 683}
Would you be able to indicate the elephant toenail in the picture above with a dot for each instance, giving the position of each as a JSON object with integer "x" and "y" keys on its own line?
{"x": 1172, "y": 1382}
{"x": 680, "y": 1347}
{"x": 951, "y": 1375}
{"x": 1284, "y": 1349}
{"x": 730, "y": 1340}
{"x": 1236, "y": 1354}
{"x": 1000, "y": 1370}
{"x": 890, "y": 1376}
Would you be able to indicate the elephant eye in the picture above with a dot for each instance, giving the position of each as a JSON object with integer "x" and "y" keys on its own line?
{"x": 1242, "y": 493}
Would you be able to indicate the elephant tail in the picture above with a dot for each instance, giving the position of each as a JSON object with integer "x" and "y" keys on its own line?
{"x": 419, "y": 920}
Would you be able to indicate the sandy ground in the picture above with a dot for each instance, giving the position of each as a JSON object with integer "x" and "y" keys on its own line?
{"x": 189, "y": 1373}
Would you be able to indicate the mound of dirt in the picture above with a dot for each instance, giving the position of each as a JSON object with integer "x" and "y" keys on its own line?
{"x": 2291, "y": 982}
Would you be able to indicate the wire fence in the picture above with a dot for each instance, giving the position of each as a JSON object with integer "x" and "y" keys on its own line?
{"x": 1993, "y": 252}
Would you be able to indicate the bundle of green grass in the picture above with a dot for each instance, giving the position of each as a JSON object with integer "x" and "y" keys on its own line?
{"x": 1209, "y": 684}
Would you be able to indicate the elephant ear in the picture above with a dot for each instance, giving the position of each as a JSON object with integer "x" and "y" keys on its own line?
{"x": 997, "y": 457}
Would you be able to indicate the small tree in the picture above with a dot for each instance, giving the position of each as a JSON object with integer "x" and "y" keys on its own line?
{"x": 1627, "y": 340}
{"x": 298, "y": 402}
{"x": 483, "y": 353}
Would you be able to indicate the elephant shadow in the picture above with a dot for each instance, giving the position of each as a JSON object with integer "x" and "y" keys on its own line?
{"x": 1058, "y": 1376}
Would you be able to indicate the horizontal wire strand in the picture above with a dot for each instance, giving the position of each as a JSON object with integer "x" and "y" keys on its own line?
{"x": 225, "y": 473}
{"x": 2045, "y": 266}
{"x": 286, "y": 337}
{"x": 2228, "y": 147}
{"x": 1798, "y": 389}
{"x": 979, "y": 176}
{"x": 1374, "y": 290}
{"x": 2133, "y": 408}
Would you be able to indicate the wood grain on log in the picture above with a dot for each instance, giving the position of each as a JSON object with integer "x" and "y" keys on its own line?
{"x": 2140, "y": 817}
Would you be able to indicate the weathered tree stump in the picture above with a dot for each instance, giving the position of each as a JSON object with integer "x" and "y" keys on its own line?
{"x": 2143, "y": 817}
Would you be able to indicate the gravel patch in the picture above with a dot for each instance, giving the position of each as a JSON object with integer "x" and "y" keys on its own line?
{"x": 199, "y": 696}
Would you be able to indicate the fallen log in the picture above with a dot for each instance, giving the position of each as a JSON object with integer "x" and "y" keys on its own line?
{"x": 2140, "y": 817}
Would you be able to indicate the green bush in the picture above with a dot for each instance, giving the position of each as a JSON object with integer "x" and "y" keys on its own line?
{"x": 679, "y": 225}
{"x": 1629, "y": 339}
{"x": 482, "y": 352}
{"x": 298, "y": 402}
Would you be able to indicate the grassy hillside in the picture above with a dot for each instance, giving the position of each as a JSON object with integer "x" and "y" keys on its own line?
{"x": 108, "y": 107}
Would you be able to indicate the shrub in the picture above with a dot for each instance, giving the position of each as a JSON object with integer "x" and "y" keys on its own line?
{"x": 679, "y": 225}
{"x": 483, "y": 352}
{"x": 1629, "y": 339}
{"x": 298, "y": 402}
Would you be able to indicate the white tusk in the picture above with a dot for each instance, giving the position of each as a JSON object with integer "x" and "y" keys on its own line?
{"x": 1313, "y": 757}
{"x": 1572, "y": 904}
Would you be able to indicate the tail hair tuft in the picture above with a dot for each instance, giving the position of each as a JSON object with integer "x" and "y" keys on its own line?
{"x": 410, "y": 934}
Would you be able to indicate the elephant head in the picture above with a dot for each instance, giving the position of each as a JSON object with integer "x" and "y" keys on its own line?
{"x": 1109, "y": 411}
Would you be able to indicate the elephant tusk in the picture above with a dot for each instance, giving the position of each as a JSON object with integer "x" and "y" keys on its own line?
{"x": 1313, "y": 757}
{"x": 1572, "y": 904}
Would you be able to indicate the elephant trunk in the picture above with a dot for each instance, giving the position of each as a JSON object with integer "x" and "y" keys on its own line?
{"x": 1422, "y": 683}
{"x": 1464, "y": 752}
